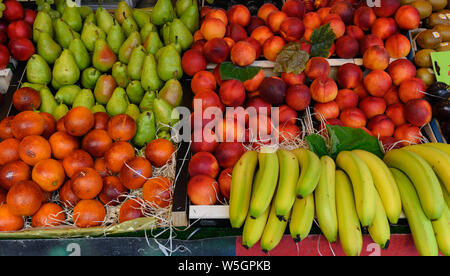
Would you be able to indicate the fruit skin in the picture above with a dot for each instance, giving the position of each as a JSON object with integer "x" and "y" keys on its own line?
{"x": 302, "y": 217}
{"x": 384, "y": 183}
{"x": 350, "y": 234}
{"x": 325, "y": 199}
{"x": 274, "y": 230}
{"x": 310, "y": 172}
{"x": 422, "y": 176}
{"x": 362, "y": 183}
{"x": 437, "y": 159}
{"x": 379, "y": 229}
{"x": 241, "y": 188}
{"x": 444, "y": 147}
{"x": 287, "y": 182}
{"x": 253, "y": 229}
{"x": 442, "y": 232}
{"x": 265, "y": 190}
{"x": 421, "y": 227}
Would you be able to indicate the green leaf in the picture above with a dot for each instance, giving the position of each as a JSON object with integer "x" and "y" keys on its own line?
{"x": 291, "y": 59}
{"x": 230, "y": 71}
{"x": 321, "y": 41}
{"x": 347, "y": 138}
{"x": 317, "y": 144}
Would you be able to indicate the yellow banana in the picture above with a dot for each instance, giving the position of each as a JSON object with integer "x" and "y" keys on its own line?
{"x": 241, "y": 188}
{"x": 263, "y": 194}
{"x": 442, "y": 146}
{"x": 379, "y": 230}
{"x": 421, "y": 227}
{"x": 446, "y": 195}
{"x": 437, "y": 159}
{"x": 422, "y": 176}
{"x": 384, "y": 183}
{"x": 274, "y": 230}
{"x": 289, "y": 171}
{"x": 309, "y": 171}
{"x": 362, "y": 182}
{"x": 253, "y": 229}
{"x": 302, "y": 217}
{"x": 325, "y": 199}
{"x": 350, "y": 234}
{"x": 441, "y": 229}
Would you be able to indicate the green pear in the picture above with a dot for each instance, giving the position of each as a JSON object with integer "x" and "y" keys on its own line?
{"x": 65, "y": 69}
{"x": 172, "y": 92}
{"x": 38, "y": 70}
{"x": 164, "y": 134}
{"x": 67, "y": 94}
{"x": 118, "y": 102}
{"x": 60, "y": 5}
{"x": 103, "y": 57}
{"x": 48, "y": 102}
{"x": 133, "y": 40}
{"x": 42, "y": 24}
{"x": 104, "y": 19}
{"x": 115, "y": 37}
{"x": 163, "y": 114}
{"x": 80, "y": 53}
{"x": 84, "y": 98}
{"x": 145, "y": 129}
{"x": 165, "y": 34}
{"x": 47, "y": 48}
{"x": 90, "y": 19}
{"x": 98, "y": 108}
{"x": 104, "y": 88}
{"x": 129, "y": 26}
{"x": 179, "y": 33}
{"x": 149, "y": 77}
{"x": 90, "y": 34}
{"x": 63, "y": 33}
{"x": 169, "y": 64}
{"x": 153, "y": 43}
{"x": 89, "y": 77}
{"x": 133, "y": 111}
{"x": 72, "y": 17}
{"x": 85, "y": 11}
{"x": 146, "y": 30}
{"x": 191, "y": 17}
{"x": 35, "y": 86}
{"x": 182, "y": 5}
{"x": 122, "y": 12}
{"x": 141, "y": 17}
{"x": 135, "y": 92}
{"x": 55, "y": 84}
{"x": 162, "y": 12}
{"x": 60, "y": 111}
{"x": 134, "y": 68}
{"x": 119, "y": 73}
{"x": 147, "y": 101}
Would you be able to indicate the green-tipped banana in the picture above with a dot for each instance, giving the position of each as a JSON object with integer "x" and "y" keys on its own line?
{"x": 289, "y": 171}
{"x": 241, "y": 188}
{"x": 441, "y": 229}
{"x": 263, "y": 194}
{"x": 437, "y": 159}
{"x": 253, "y": 229}
{"x": 362, "y": 182}
{"x": 302, "y": 217}
{"x": 350, "y": 234}
{"x": 421, "y": 227}
{"x": 309, "y": 171}
{"x": 422, "y": 176}
{"x": 384, "y": 183}
{"x": 325, "y": 199}
{"x": 379, "y": 230}
{"x": 274, "y": 230}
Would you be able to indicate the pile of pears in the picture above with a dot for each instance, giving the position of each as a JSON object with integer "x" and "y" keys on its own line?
{"x": 127, "y": 61}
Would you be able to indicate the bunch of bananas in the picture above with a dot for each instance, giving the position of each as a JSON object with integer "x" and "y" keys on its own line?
{"x": 273, "y": 189}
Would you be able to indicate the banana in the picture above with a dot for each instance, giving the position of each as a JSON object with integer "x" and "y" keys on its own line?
{"x": 379, "y": 230}
{"x": 325, "y": 199}
{"x": 309, "y": 171}
{"x": 442, "y": 146}
{"x": 421, "y": 227}
{"x": 362, "y": 182}
{"x": 241, "y": 188}
{"x": 384, "y": 183}
{"x": 263, "y": 194}
{"x": 441, "y": 229}
{"x": 437, "y": 159}
{"x": 446, "y": 195}
{"x": 350, "y": 234}
{"x": 302, "y": 217}
{"x": 289, "y": 171}
{"x": 422, "y": 176}
{"x": 274, "y": 230}
{"x": 253, "y": 229}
